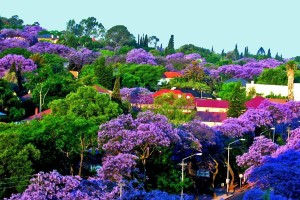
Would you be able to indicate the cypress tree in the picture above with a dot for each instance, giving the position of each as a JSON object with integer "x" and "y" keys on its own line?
{"x": 212, "y": 49}
{"x": 223, "y": 53}
{"x": 138, "y": 42}
{"x": 237, "y": 101}
{"x": 246, "y": 52}
{"x": 269, "y": 54}
{"x": 146, "y": 41}
{"x": 170, "y": 47}
{"x": 116, "y": 96}
{"x": 103, "y": 73}
{"x": 236, "y": 53}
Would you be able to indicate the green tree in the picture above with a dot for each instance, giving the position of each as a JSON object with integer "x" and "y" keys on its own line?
{"x": 91, "y": 27}
{"x": 17, "y": 51}
{"x": 103, "y": 73}
{"x": 273, "y": 76}
{"x": 16, "y": 163}
{"x": 269, "y": 54}
{"x": 119, "y": 36}
{"x": 116, "y": 96}
{"x": 237, "y": 101}
{"x": 177, "y": 109}
{"x": 170, "y": 48}
{"x": 147, "y": 74}
{"x": 10, "y": 103}
{"x": 236, "y": 53}
{"x": 87, "y": 108}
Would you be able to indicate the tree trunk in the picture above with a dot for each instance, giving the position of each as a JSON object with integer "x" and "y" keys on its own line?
{"x": 290, "y": 75}
{"x": 231, "y": 185}
{"x": 81, "y": 156}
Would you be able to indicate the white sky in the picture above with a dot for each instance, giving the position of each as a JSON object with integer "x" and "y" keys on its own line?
{"x": 219, "y": 23}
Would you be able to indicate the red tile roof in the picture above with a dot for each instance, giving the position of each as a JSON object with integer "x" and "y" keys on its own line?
{"x": 102, "y": 89}
{"x": 211, "y": 103}
{"x": 212, "y": 116}
{"x": 255, "y": 102}
{"x": 175, "y": 92}
{"x": 39, "y": 115}
{"x": 281, "y": 101}
{"x": 172, "y": 74}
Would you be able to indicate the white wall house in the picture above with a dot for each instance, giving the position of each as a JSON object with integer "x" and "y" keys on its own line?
{"x": 275, "y": 89}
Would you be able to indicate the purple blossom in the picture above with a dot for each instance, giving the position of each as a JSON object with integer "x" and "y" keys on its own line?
{"x": 137, "y": 95}
{"x": 260, "y": 148}
{"x": 175, "y": 56}
{"x": 19, "y": 34}
{"x": 279, "y": 112}
{"x": 32, "y": 30}
{"x": 140, "y": 56}
{"x": 117, "y": 168}
{"x": 7, "y": 61}
{"x": 192, "y": 56}
{"x": 259, "y": 117}
{"x": 12, "y": 43}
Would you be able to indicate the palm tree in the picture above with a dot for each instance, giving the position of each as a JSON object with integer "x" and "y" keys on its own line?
{"x": 291, "y": 66}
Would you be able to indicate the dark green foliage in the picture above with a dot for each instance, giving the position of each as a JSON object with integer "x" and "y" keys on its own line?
{"x": 116, "y": 96}
{"x": 213, "y": 58}
{"x": 269, "y": 54}
{"x": 246, "y": 52}
{"x": 16, "y": 163}
{"x": 170, "y": 48}
{"x": 236, "y": 53}
{"x": 145, "y": 75}
{"x": 124, "y": 50}
{"x": 237, "y": 101}
{"x": 190, "y": 48}
{"x": 104, "y": 74}
{"x": 17, "y": 51}
{"x": 9, "y": 103}
{"x": 261, "y": 51}
{"x": 119, "y": 36}
{"x": 275, "y": 76}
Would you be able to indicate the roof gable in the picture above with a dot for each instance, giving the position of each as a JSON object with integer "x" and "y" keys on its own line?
{"x": 255, "y": 102}
{"x": 172, "y": 74}
{"x": 211, "y": 103}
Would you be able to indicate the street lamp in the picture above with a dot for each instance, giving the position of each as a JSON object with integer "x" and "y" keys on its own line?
{"x": 182, "y": 170}
{"x": 241, "y": 176}
{"x": 273, "y": 128}
{"x": 227, "y": 177}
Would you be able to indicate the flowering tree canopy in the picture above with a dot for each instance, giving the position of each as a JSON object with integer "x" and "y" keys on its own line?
{"x": 137, "y": 95}
{"x": 140, "y": 56}
{"x": 259, "y": 117}
{"x": 280, "y": 173}
{"x": 260, "y": 148}
{"x": 235, "y": 127}
{"x": 7, "y": 61}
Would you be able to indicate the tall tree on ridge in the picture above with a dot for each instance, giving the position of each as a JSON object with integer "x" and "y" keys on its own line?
{"x": 290, "y": 67}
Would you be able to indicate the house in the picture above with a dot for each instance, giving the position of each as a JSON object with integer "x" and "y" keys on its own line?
{"x": 48, "y": 38}
{"x": 25, "y": 97}
{"x": 211, "y": 105}
{"x": 2, "y": 114}
{"x": 167, "y": 76}
{"x": 177, "y": 93}
{"x": 255, "y": 102}
{"x": 235, "y": 80}
{"x": 102, "y": 90}
{"x": 211, "y": 118}
{"x": 197, "y": 94}
{"x": 75, "y": 74}
{"x": 38, "y": 115}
